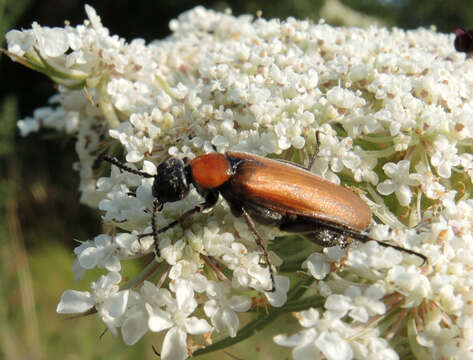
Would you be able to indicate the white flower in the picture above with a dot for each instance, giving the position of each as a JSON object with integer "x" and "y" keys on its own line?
{"x": 431, "y": 186}
{"x": 135, "y": 324}
{"x": 400, "y": 181}
{"x": 105, "y": 251}
{"x": 222, "y": 308}
{"x": 109, "y": 301}
{"x": 20, "y": 42}
{"x": 120, "y": 205}
{"x": 359, "y": 305}
{"x": 317, "y": 265}
{"x": 278, "y": 297}
{"x": 329, "y": 337}
{"x": 102, "y": 253}
{"x": 445, "y": 157}
{"x": 410, "y": 282}
{"x": 312, "y": 343}
{"x": 339, "y": 153}
{"x": 364, "y": 171}
{"x": 247, "y": 271}
{"x": 176, "y": 319}
{"x": 187, "y": 271}
{"x": 52, "y": 42}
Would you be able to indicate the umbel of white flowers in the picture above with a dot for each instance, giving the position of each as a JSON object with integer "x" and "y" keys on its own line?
{"x": 395, "y": 110}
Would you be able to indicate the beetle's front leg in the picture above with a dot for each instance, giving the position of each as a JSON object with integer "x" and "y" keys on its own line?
{"x": 210, "y": 200}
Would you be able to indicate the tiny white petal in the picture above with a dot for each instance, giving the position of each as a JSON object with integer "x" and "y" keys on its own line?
{"x": 134, "y": 156}
{"x": 117, "y": 303}
{"x": 211, "y": 307}
{"x": 278, "y": 298}
{"x": 225, "y": 320}
{"x": 174, "y": 345}
{"x": 197, "y": 326}
{"x": 73, "y": 301}
{"x": 89, "y": 257}
{"x": 240, "y": 303}
{"x": 158, "y": 319}
{"x": 19, "y": 42}
{"x": 52, "y": 42}
{"x": 134, "y": 327}
{"x": 309, "y": 318}
{"x": 185, "y": 298}
{"x": 386, "y": 187}
{"x": 334, "y": 347}
{"x": 317, "y": 265}
{"x": 338, "y": 304}
{"x": 125, "y": 240}
{"x": 288, "y": 340}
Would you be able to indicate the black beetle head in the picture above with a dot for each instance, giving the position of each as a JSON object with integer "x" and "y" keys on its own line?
{"x": 171, "y": 182}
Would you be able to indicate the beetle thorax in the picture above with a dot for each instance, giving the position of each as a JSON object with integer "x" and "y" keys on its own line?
{"x": 211, "y": 170}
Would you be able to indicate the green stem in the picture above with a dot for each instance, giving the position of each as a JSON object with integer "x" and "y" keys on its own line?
{"x": 386, "y": 153}
{"x": 164, "y": 86}
{"x": 314, "y": 301}
{"x": 419, "y": 351}
{"x": 53, "y": 72}
{"x": 377, "y": 139}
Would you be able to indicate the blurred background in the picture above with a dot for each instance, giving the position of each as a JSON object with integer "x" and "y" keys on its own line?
{"x": 40, "y": 215}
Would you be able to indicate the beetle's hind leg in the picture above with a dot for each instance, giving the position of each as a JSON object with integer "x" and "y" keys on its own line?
{"x": 260, "y": 243}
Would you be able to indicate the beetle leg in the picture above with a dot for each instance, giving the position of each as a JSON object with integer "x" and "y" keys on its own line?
{"x": 210, "y": 200}
{"x": 155, "y": 231}
{"x": 260, "y": 243}
{"x": 316, "y": 152}
{"x": 156, "y": 205}
{"x": 174, "y": 223}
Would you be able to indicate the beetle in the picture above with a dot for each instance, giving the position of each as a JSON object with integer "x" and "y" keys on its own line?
{"x": 270, "y": 192}
{"x": 463, "y": 40}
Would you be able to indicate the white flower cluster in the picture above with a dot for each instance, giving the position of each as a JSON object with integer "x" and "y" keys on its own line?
{"x": 395, "y": 114}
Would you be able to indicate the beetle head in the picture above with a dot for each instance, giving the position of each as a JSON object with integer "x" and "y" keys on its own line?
{"x": 171, "y": 182}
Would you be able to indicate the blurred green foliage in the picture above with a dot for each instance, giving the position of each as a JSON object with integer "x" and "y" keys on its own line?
{"x": 40, "y": 213}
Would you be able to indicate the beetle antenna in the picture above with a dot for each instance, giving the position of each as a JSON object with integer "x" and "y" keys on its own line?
{"x": 366, "y": 238}
{"x": 123, "y": 167}
{"x": 260, "y": 243}
{"x": 407, "y": 251}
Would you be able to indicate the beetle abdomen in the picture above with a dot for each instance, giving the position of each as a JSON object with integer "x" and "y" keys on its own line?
{"x": 290, "y": 189}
